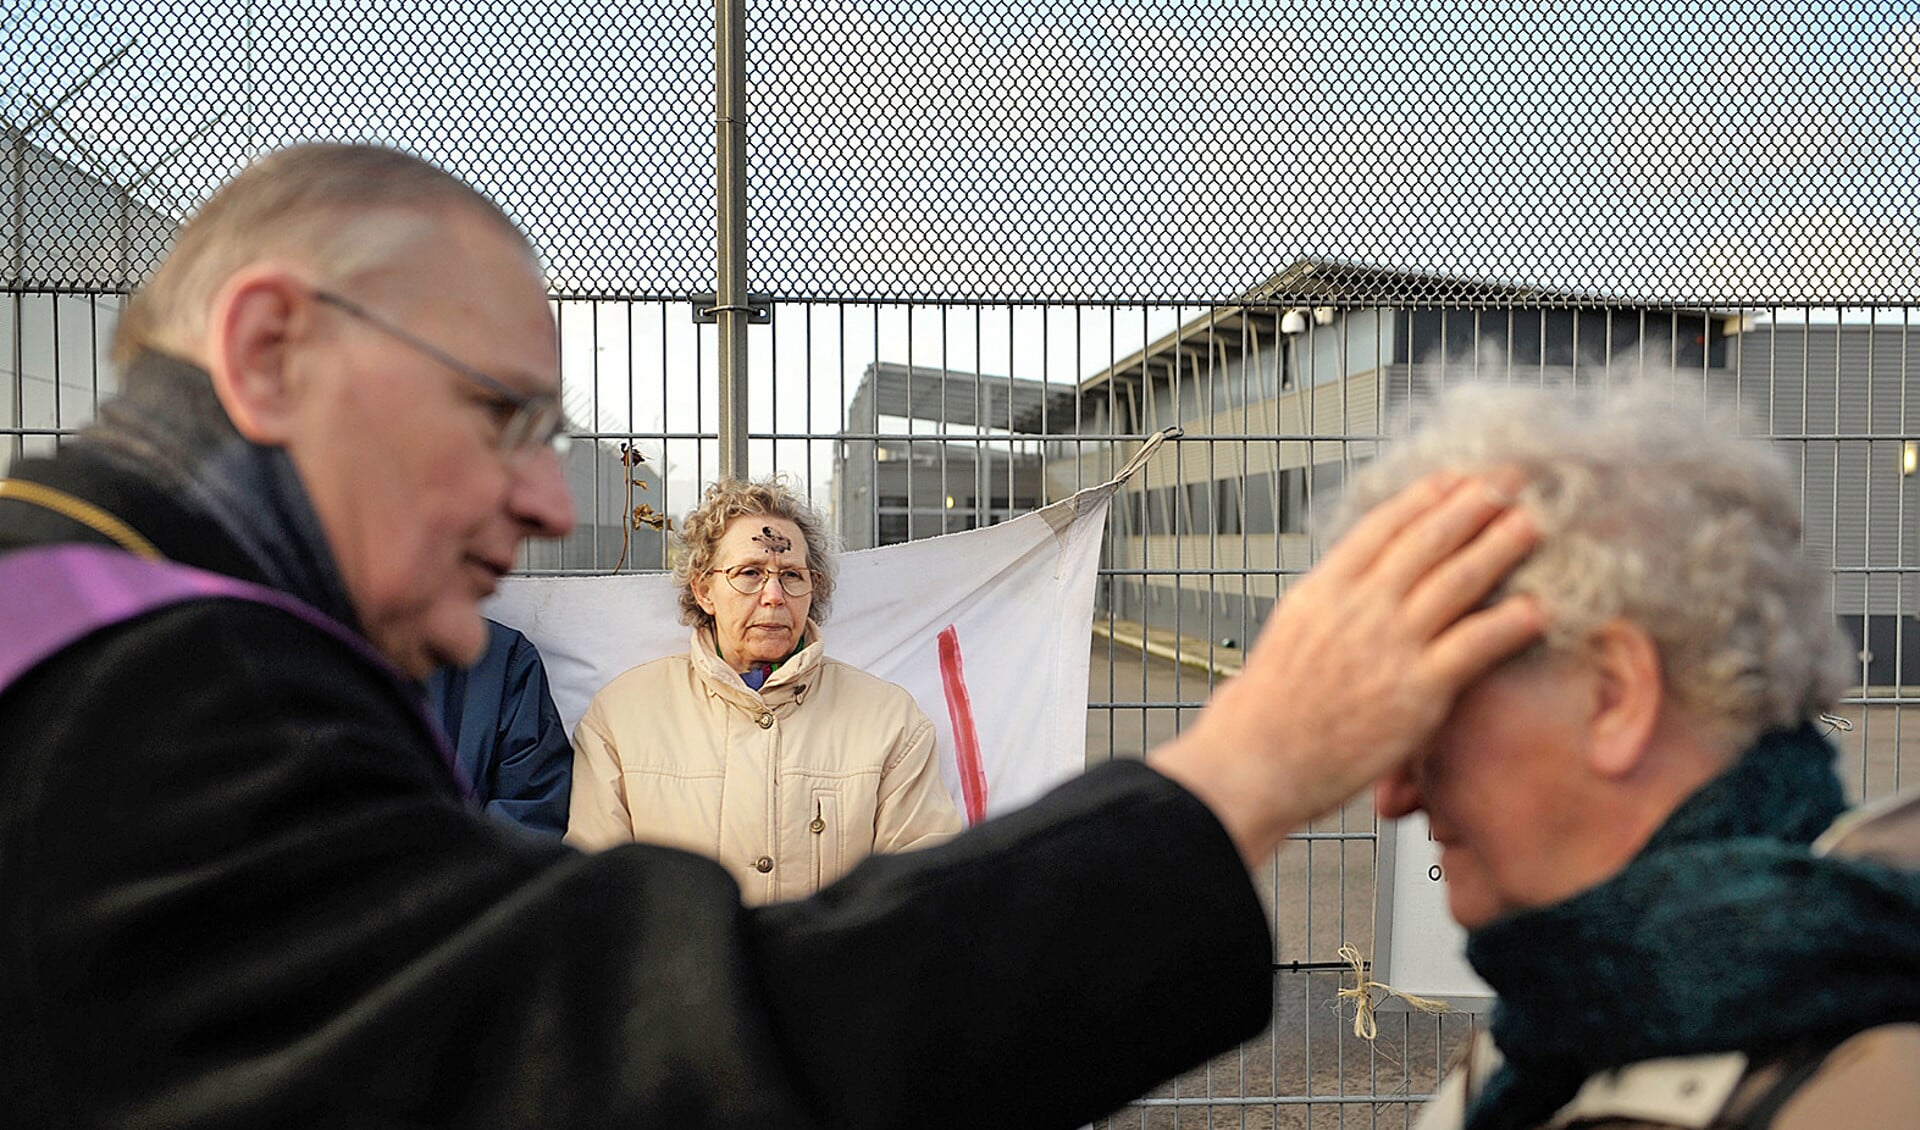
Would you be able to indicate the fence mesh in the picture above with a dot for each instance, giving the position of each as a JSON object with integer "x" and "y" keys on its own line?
{"x": 1034, "y": 150}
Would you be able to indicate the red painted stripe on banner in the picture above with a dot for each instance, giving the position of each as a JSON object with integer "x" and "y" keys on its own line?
{"x": 966, "y": 740}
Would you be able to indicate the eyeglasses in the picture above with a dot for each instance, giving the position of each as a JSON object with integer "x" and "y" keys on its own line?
{"x": 527, "y": 422}
{"x": 751, "y": 579}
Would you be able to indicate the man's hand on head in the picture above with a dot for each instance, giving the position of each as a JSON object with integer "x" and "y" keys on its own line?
{"x": 1362, "y": 660}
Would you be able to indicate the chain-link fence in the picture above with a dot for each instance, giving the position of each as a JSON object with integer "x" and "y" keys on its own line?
{"x": 1027, "y": 150}
{"x": 1002, "y": 243}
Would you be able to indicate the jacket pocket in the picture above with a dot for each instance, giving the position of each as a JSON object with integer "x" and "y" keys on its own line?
{"x": 827, "y": 834}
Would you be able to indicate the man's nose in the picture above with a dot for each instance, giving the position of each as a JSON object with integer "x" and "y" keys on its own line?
{"x": 1398, "y": 793}
{"x": 539, "y": 495}
{"x": 770, "y": 592}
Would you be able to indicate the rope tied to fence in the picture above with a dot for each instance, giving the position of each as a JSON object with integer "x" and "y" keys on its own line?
{"x": 1361, "y": 994}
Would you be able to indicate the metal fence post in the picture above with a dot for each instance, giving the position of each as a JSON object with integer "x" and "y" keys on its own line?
{"x": 731, "y": 310}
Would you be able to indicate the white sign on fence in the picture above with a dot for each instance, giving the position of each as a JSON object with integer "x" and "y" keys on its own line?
{"x": 1417, "y": 946}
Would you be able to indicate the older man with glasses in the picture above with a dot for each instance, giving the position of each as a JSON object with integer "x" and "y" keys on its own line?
{"x": 240, "y": 886}
{"x": 755, "y": 748}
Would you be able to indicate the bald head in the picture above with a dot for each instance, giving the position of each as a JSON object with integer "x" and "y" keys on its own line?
{"x": 380, "y": 326}
{"x": 343, "y": 212}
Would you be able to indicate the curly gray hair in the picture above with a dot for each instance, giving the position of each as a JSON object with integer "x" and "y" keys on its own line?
{"x": 1657, "y": 512}
{"x": 700, "y": 532}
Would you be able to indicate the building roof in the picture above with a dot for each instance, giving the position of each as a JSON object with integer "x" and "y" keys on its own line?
{"x": 1326, "y": 285}
{"x": 76, "y": 229}
{"x": 1309, "y": 282}
{"x": 951, "y": 396}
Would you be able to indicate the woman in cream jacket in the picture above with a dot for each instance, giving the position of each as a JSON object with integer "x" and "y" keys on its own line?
{"x": 756, "y": 748}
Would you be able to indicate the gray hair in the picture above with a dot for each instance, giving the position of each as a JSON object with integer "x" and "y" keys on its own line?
{"x": 1657, "y": 512}
{"x": 347, "y": 211}
{"x": 701, "y": 530}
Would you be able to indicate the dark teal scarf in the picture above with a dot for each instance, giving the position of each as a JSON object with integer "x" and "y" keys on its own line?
{"x": 1724, "y": 934}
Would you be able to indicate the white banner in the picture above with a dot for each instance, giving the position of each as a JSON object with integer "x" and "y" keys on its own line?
{"x": 989, "y": 630}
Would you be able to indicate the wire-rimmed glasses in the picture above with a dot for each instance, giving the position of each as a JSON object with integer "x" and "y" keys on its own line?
{"x": 528, "y": 422}
{"x": 751, "y": 579}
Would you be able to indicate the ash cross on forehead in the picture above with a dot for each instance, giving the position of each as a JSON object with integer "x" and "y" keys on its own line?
{"x": 772, "y": 540}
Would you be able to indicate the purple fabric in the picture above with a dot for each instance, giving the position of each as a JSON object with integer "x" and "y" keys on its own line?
{"x": 756, "y": 674}
{"x": 53, "y": 597}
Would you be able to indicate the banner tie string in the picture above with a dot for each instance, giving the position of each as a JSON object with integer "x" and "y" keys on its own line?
{"x": 1361, "y": 994}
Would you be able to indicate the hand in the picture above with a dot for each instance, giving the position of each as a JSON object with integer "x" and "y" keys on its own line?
{"x": 1362, "y": 659}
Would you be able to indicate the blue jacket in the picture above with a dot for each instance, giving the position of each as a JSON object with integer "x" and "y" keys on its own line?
{"x": 507, "y": 736}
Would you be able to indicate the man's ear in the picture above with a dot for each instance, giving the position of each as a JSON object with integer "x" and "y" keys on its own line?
{"x": 1628, "y": 695}
{"x": 256, "y": 318}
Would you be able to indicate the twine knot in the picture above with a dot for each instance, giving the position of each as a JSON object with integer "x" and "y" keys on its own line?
{"x": 1361, "y": 994}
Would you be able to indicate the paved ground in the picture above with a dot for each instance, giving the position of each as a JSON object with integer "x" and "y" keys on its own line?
{"x": 1310, "y": 1071}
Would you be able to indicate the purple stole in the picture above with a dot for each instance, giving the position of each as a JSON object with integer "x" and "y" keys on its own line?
{"x": 55, "y": 596}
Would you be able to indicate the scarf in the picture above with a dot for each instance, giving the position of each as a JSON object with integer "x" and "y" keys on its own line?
{"x": 1726, "y": 933}
{"x": 755, "y": 676}
{"x": 169, "y": 426}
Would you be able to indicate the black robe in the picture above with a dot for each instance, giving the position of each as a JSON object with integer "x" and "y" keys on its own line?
{"x": 238, "y": 888}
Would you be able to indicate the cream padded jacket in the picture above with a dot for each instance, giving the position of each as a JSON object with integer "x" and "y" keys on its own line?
{"x": 787, "y": 787}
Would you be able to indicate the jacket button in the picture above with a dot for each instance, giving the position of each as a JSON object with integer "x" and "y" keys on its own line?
{"x": 764, "y": 864}
{"x": 766, "y": 720}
